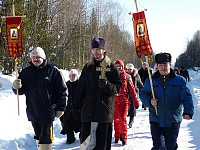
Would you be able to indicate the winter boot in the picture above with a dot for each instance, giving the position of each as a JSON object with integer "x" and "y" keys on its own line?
{"x": 70, "y": 141}
{"x": 70, "y": 137}
{"x": 120, "y": 137}
{"x": 45, "y": 147}
{"x": 116, "y": 141}
{"x": 124, "y": 143}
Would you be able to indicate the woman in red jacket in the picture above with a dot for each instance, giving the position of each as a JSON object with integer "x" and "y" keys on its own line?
{"x": 122, "y": 103}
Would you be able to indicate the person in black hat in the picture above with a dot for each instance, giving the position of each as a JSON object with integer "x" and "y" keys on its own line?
{"x": 171, "y": 96}
{"x": 95, "y": 98}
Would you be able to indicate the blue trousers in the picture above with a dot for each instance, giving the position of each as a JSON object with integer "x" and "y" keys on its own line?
{"x": 164, "y": 138}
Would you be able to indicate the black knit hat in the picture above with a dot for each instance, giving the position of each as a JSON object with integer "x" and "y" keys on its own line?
{"x": 98, "y": 43}
{"x": 163, "y": 58}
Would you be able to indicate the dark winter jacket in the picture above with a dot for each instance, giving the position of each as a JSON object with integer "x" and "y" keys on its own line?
{"x": 171, "y": 99}
{"x": 67, "y": 122}
{"x": 138, "y": 85}
{"x": 137, "y": 82}
{"x": 143, "y": 74}
{"x": 97, "y": 104}
{"x": 45, "y": 91}
{"x": 185, "y": 74}
{"x": 71, "y": 94}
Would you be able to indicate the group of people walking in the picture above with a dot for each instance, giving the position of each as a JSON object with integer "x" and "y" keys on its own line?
{"x": 104, "y": 94}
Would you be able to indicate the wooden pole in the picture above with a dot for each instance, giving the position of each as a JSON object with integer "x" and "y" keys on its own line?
{"x": 17, "y": 89}
{"x": 136, "y": 5}
{"x": 13, "y": 11}
{"x": 13, "y": 8}
{"x": 151, "y": 83}
{"x": 148, "y": 68}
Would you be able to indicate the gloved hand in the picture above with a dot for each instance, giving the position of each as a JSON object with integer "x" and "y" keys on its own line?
{"x": 102, "y": 83}
{"x": 17, "y": 84}
{"x": 136, "y": 107}
{"x": 59, "y": 113}
{"x": 76, "y": 113}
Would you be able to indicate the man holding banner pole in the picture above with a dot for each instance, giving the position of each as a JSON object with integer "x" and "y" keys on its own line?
{"x": 46, "y": 96}
{"x": 171, "y": 96}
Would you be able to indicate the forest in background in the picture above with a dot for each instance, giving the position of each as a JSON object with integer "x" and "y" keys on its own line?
{"x": 65, "y": 28}
{"x": 191, "y": 56}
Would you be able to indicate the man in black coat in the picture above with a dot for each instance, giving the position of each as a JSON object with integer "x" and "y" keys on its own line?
{"x": 143, "y": 72}
{"x": 45, "y": 91}
{"x": 185, "y": 74}
{"x": 95, "y": 97}
{"x": 68, "y": 122}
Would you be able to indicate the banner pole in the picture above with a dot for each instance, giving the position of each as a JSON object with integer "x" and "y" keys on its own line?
{"x": 17, "y": 89}
{"x": 13, "y": 8}
{"x": 151, "y": 83}
{"x": 148, "y": 68}
{"x": 16, "y": 62}
{"x": 13, "y": 11}
{"x": 136, "y": 5}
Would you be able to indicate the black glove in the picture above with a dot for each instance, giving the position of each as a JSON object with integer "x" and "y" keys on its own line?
{"x": 136, "y": 107}
{"x": 102, "y": 83}
{"x": 77, "y": 114}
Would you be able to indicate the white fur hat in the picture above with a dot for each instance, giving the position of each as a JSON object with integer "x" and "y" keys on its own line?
{"x": 38, "y": 51}
{"x": 130, "y": 66}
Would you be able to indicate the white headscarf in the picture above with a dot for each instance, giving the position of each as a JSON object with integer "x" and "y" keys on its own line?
{"x": 75, "y": 72}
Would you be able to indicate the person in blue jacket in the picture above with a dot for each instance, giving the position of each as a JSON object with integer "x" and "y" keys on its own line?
{"x": 46, "y": 96}
{"x": 171, "y": 96}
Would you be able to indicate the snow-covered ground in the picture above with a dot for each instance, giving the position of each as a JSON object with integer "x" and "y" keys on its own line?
{"x": 16, "y": 133}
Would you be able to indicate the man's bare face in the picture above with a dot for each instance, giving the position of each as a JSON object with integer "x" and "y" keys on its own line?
{"x": 98, "y": 53}
{"x": 36, "y": 60}
{"x": 164, "y": 69}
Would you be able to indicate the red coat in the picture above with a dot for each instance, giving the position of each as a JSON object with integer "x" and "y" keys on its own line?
{"x": 128, "y": 90}
{"x": 121, "y": 106}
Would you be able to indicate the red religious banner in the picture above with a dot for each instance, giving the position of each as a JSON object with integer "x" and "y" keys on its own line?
{"x": 142, "y": 42}
{"x": 14, "y": 36}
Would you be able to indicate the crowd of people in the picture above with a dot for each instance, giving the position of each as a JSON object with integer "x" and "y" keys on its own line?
{"x": 103, "y": 96}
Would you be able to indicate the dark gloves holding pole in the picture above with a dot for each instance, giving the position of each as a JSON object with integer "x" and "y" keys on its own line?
{"x": 102, "y": 83}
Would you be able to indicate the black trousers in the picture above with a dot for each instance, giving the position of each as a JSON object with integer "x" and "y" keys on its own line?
{"x": 103, "y": 135}
{"x": 70, "y": 131}
{"x": 43, "y": 132}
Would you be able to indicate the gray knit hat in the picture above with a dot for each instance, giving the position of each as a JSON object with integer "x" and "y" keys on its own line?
{"x": 38, "y": 51}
